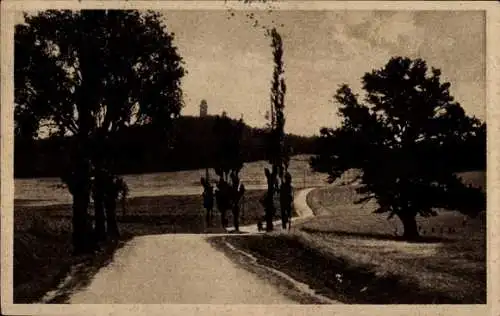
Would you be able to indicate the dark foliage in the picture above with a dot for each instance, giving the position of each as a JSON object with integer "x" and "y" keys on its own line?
{"x": 90, "y": 74}
{"x": 277, "y": 148}
{"x": 138, "y": 149}
{"x": 409, "y": 137}
{"x": 229, "y": 156}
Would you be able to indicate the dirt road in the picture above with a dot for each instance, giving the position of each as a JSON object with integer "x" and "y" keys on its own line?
{"x": 180, "y": 269}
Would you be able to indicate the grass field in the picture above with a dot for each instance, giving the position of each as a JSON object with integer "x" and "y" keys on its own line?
{"x": 352, "y": 255}
{"x": 47, "y": 191}
{"x": 42, "y": 236}
{"x": 346, "y": 251}
{"x": 158, "y": 204}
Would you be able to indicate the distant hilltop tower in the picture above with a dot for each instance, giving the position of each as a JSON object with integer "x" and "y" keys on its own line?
{"x": 203, "y": 108}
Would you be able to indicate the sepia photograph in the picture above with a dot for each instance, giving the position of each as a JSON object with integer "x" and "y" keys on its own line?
{"x": 247, "y": 154}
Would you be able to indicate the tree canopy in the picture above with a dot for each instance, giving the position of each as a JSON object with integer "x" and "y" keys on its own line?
{"x": 89, "y": 74}
{"x": 398, "y": 136}
{"x": 229, "y": 152}
{"x": 94, "y": 71}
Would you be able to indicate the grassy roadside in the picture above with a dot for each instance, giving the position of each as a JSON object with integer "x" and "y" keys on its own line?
{"x": 353, "y": 256}
{"x": 355, "y": 271}
{"x": 331, "y": 275}
{"x": 42, "y": 237}
{"x": 450, "y": 260}
{"x": 345, "y": 252}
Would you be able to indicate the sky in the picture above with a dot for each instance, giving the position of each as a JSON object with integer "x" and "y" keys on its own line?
{"x": 230, "y": 64}
{"x": 230, "y": 61}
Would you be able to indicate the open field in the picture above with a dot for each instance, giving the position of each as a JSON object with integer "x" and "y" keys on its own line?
{"x": 159, "y": 203}
{"x": 42, "y": 236}
{"x": 345, "y": 252}
{"x": 45, "y": 191}
{"x": 351, "y": 255}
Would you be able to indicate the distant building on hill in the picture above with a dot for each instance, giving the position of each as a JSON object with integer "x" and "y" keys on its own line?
{"x": 203, "y": 108}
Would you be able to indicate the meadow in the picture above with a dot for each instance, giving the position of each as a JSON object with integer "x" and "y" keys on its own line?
{"x": 345, "y": 251}
{"x": 159, "y": 203}
{"x": 47, "y": 191}
{"x": 354, "y": 256}
{"x": 42, "y": 236}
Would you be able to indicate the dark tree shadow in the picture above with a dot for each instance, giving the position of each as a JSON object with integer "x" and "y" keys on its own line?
{"x": 376, "y": 236}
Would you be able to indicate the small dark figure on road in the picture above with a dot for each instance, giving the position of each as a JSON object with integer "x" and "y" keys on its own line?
{"x": 208, "y": 200}
{"x": 222, "y": 197}
{"x": 260, "y": 227}
{"x": 269, "y": 211}
{"x": 286, "y": 201}
{"x": 237, "y": 192}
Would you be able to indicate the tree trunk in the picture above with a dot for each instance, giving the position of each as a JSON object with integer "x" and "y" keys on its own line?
{"x": 269, "y": 208}
{"x": 81, "y": 225}
{"x": 284, "y": 216}
{"x": 410, "y": 227}
{"x": 99, "y": 228}
{"x": 236, "y": 217}
{"x": 98, "y": 195}
{"x": 98, "y": 191}
{"x": 269, "y": 219}
{"x": 270, "y": 211}
{"x": 111, "y": 218}
{"x": 83, "y": 237}
{"x": 82, "y": 230}
{"x": 223, "y": 218}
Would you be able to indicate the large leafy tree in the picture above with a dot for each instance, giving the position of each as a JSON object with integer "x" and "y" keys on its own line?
{"x": 89, "y": 74}
{"x": 399, "y": 136}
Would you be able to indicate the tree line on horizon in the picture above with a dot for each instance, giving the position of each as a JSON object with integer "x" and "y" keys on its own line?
{"x": 138, "y": 149}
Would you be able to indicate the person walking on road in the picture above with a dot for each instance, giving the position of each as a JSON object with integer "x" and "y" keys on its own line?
{"x": 223, "y": 199}
{"x": 208, "y": 200}
{"x": 237, "y": 192}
